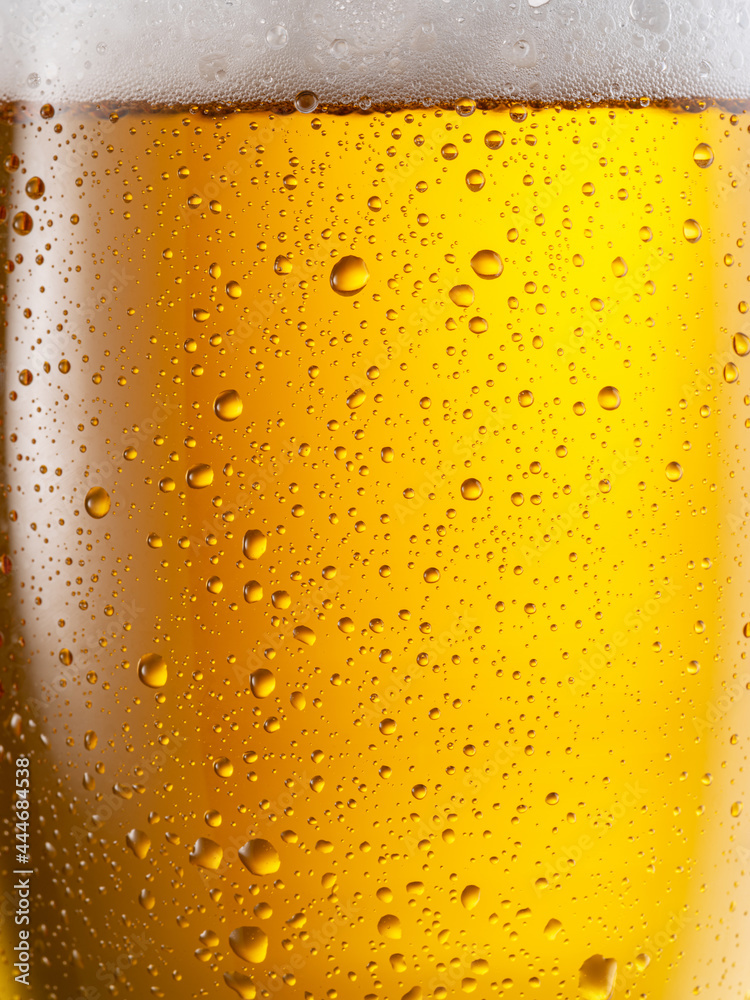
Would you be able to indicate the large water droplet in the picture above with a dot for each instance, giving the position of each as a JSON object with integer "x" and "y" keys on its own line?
{"x": 249, "y": 943}
{"x": 228, "y": 405}
{"x": 254, "y": 543}
{"x": 349, "y": 275}
{"x": 471, "y": 489}
{"x": 206, "y": 854}
{"x": 487, "y": 264}
{"x": 152, "y": 670}
{"x": 97, "y": 502}
{"x": 260, "y": 857}
{"x": 608, "y": 398}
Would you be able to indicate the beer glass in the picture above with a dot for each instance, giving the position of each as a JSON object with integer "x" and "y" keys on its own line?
{"x": 375, "y": 420}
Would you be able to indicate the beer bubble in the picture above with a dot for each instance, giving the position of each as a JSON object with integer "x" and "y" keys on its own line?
{"x": 90, "y": 740}
{"x": 282, "y": 265}
{"x": 228, "y": 405}
{"x": 147, "y": 899}
{"x": 579, "y": 408}
{"x": 470, "y": 896}
{"x": 306, "y": 102}
{"x": 199, "y": 476}
{"x": 475, "y": 180}
{"x": 97, "y": 502}
{"x": 374, "y": 203}
{"x": 262, "y": 682}
{"x": 431, "y": 575}
{"x": 735, "y": 809}
{"x": 152, "y": 670}
{"x": 249, "y": 943}
{"x": 471, "y": 489}
{"x": 233, "y": 289}
{"x": 619, "y": 267}
{"x": 516, "y": 499}
{"x": 389, "y": 927}
{"x": 608, "y": 398}
{"x": 449, "y": 151}
{"x": 25, "y": 377}
{"x": 552, "y": 928}
{"x": 487, "y": 264}
{"x": 493, "y": 139}
{"x": 260, "y": 857}
{"x": 254, "y": 543}
{"x": 691, "y": 230}
{"x": 552, "y": 798}
{"x": 703, "y": 155}
{"x": 646, "y": 234}
{"x": 387, "y": 727}
{"x": 741, "y": 344}
{"x": 477, "y": 324}
{"x": 212, "y": 817}
{"x": 597, "y": 978}
{"x": 349, "y": 275}
{"x": 387, "y": 454}
{"x": 525, "y": 397}
{"x": 674, "y": 472}
{"x": 206, "y": 853}
{"x": 200, "y": 315}
{"x": 345, "y": 625}
{"x": 138, "y": 842}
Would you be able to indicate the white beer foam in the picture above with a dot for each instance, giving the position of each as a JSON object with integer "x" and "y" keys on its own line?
{"x": 373, "y": 51}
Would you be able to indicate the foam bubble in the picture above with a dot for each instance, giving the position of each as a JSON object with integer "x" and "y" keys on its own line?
{"x": 365, "y": 52}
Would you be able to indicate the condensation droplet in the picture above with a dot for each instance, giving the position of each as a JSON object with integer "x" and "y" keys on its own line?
{"x": 471, "y": 489}
{"x": 674, "y": 472}
{"x": 199, "y": 476}
{"x": 487, "y": 264}
{"x": 691, "y": 230}
{"x": 608, "y": 398}
{"x": 152, "y": 670}
{"x": 349, "y": 275}
{"x": 228, "y": 405}
{"x": 260, "y": 857}
{"x": 97, "y": 502}
{"x": 249, "y": 943}
{"x": 254, "y": 543}
{"x": 470, "y": 896}
{"x": 703, "y": 155}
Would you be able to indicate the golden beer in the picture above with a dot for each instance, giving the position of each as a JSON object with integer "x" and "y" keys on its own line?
{"x": 375, "y": 598}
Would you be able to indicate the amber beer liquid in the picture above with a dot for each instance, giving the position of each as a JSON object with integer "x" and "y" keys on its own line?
{"x": 375, "y": 594}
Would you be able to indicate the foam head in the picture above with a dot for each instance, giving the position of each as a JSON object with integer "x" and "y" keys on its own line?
{"x": 373, "y": 51}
